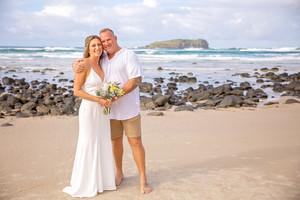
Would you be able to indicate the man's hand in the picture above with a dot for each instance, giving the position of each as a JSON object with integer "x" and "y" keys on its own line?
{"x": 77, "y": 66}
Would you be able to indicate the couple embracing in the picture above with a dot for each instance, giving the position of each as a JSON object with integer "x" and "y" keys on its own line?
{"x": 100, "y": 140}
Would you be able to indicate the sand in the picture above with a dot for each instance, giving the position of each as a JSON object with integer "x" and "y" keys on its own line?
{"x": 247, "y": 153}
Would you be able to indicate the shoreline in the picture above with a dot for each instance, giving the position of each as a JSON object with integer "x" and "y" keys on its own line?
{"x": 245, "y": 153}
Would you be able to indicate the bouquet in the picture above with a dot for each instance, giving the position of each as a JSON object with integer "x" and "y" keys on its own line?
{"x": 109, "y": 91}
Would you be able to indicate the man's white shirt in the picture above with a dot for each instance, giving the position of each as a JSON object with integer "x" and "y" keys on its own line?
{"x": 120, "y": 68}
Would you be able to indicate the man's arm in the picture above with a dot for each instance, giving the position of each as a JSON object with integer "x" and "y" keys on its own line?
{"x": 131, "y": 84}
{"x": 77, "y": 66}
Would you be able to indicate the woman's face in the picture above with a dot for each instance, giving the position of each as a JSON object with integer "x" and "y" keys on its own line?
{"x": 95, "y": 48}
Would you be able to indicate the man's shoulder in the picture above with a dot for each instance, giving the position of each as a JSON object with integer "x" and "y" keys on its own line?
{"x": 127, "y": 52}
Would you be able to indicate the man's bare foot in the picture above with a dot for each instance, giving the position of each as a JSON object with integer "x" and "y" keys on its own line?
{"x": 145, "y": 189}
{"x": 119, "y": 179}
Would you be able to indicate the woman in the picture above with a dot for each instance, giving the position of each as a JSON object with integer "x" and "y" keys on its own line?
{"x": 93, "y": 169}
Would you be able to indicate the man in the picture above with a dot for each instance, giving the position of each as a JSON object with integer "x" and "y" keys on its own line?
{"x": 122, "y": 65}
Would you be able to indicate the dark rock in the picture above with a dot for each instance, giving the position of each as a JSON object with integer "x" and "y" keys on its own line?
{"x": 51, "y": 86}
{"x": 3, "y": 97}
{"x": 269, "y": 75}
{"x": 292, "y": 85}
{"x": 12, "y": 100}
{"x": 245, "y": 75}
{"x": 283, "y": 75}
{"x": 20, "y": 82}
{"x": 69, "y": 101}
{"x": 198, "y": 96}
{"x": 159, "y": 80}
{"x": 29, "y": 106}
{"x": 27, "y": 109}
{"x": 277, "y": 87}
{"x": 145, "y": 87}
{"x": 157, "y": 89}
{"x": 156, "y": 114}
{"x": 237, "y": 92}
{"x": 172, "y": 86}
{"x": 264, "y": 69}
{"x": 48, "y": 101}
{"x": 260, "y": 81}
{"x": 260, "y": 93}
{"x": 147, "y": 103}
{"x": 8, "y": 81}
{"x": 184, "y": 108}
{"x": 62, "y": 80}
{"x": 231, "y": 100}
{"x": 218, "y": 90}
{"x": 38, "y": 95}
{"x": 55, "y": 111}
{"x": 270, "y": 103}
{"x": 245, "y": 85}
{"x": 248, "y": 102}
{"x": 161, "y": 101}
{"x": 42, "y": 110}
{"x": 192, "y": 80}
{"x": 159, "y": 68}
{"x": 275, "y": 69}
{"x": 6, "y": 124}
{"x": 182, "y": 79}
{"x": 68, "y": 109}
{"x": 209, "y": 103}
{"x": 291, "y": 101}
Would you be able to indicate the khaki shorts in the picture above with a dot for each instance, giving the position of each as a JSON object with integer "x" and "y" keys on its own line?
{"x": 131, "y": 126}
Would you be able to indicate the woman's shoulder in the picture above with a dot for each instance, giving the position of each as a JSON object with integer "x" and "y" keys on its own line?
{"x": 86, "y": 64}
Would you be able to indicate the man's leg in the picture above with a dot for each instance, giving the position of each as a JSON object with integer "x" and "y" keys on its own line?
{"x": 138, "y": 152}
{"x": 117, "y": 147}
{"x": 133, "y": 132}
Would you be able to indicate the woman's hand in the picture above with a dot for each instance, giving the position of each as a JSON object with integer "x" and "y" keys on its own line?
{"x": 104, "y": 102}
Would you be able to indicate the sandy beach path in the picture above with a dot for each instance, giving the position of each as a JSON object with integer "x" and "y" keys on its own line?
{"x": 249, "y": 154}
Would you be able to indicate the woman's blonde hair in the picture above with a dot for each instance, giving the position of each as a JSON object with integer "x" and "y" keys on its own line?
{"x": 87, "y": 42}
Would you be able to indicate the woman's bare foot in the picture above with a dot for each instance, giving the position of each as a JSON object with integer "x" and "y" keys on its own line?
{"x": 119, "y": 179}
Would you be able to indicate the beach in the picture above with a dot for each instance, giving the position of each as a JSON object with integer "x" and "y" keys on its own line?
{"x": 245, "y": 153}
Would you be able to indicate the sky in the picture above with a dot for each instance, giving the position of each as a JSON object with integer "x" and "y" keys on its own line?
{"x": 136, "y": 23}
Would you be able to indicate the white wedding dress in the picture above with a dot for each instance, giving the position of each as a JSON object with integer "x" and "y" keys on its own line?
{"x": 93, "y": 170}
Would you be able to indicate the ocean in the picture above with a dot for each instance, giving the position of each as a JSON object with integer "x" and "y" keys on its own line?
{"x": 215, "y": 66}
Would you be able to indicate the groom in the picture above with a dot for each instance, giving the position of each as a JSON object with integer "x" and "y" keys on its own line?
{"x": 122, "y": 65}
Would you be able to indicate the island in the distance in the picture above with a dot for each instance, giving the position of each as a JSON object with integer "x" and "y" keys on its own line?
{"x": 179, "y": 43}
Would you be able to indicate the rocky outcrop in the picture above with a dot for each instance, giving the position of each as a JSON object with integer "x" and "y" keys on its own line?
{"x": 179, "y": 43}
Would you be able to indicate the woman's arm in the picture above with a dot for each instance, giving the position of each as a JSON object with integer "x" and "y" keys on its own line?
{"x": 79, "y": 80}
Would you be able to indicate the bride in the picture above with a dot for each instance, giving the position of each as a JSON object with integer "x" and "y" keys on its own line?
{"x": 93, "y": 170}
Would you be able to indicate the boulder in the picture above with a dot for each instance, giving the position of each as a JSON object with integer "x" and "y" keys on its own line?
{"x": 68, "y": 109}
{"x": 155, "y": 114}
{"x": 231, "y": 100}
{"x": 184, "y": 108}
{"x": 172, "y": 86}
{"x": 145, "y": 87}
{"x": 8, "y": 81}
{"x": 42, "y": 110}
{"x": 12, "y": 100}
{"x": 162, "y": 100}
{"x": 291, "y": 101}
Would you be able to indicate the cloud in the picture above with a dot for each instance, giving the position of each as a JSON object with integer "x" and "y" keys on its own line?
{"x": 61, "y": 11}
{"x": 150, "y": 3}
{"x": 139, "y": 22}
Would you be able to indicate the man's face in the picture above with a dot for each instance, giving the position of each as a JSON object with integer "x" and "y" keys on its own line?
{"x": 109, "y": 42}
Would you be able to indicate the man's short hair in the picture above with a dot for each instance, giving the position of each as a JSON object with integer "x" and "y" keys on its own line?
{"x": 106, "y": 29}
